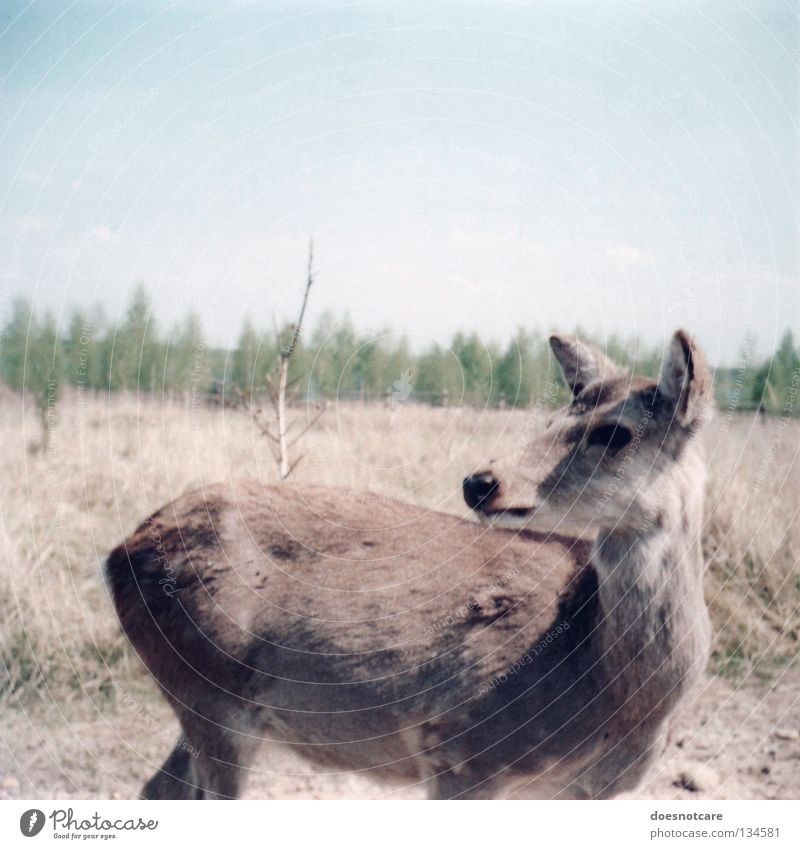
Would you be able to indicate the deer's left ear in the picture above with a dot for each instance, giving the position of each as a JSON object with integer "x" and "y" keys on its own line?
{"x": 686, "y": 380}
{"x": 582, "y": 364}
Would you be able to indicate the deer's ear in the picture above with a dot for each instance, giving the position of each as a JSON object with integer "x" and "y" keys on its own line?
{"x": 582, "y": 364}
{"x": 686, "y": 381}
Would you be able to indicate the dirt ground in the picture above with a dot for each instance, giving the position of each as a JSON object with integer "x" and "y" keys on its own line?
{"x": 732, "y": 740}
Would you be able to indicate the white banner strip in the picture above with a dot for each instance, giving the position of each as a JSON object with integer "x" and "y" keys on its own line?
{"x": 393, "y": 825}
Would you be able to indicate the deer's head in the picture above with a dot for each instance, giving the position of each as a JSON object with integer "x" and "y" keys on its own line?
{"x": 610, "y": 457}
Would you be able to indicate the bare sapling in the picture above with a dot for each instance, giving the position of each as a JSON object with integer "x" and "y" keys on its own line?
{"x": 280, "y": 437}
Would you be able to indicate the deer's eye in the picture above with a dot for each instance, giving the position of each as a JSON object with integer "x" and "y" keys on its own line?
{"x": 610, "y": 437}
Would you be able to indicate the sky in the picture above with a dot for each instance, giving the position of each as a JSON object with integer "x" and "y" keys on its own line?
{"x": 628, "y": 168}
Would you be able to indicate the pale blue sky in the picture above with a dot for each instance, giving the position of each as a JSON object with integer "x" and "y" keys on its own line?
{"x": 630, "y": 167}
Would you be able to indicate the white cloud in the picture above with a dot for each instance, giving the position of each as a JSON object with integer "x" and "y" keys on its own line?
{"x": 102, "y": 233}
{"x": 32, "y": 224}
{"x": 34, "y": 178}
{"x": 628, "y": 254}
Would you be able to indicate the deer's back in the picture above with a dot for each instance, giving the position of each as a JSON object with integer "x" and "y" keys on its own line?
{"x": 304, "y": 596}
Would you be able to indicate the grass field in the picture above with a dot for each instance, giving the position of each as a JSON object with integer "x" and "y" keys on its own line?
{"x": 110, "y": 463}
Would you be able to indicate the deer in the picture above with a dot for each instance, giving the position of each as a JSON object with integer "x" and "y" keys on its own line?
{"x": 538, "y": 652}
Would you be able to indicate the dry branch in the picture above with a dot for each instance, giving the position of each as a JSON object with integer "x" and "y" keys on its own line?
{"x": 277, "y": 396}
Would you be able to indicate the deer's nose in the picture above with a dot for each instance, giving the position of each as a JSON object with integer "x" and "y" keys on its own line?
{"x": 479, "y": 490}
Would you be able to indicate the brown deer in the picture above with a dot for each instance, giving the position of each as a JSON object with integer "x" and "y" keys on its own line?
{"x": 537, "y": 653}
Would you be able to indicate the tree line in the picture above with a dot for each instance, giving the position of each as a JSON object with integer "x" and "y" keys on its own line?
{"x": 41, "y": 355}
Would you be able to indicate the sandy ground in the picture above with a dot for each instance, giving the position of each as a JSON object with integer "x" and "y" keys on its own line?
{"x": 730, "y": 741}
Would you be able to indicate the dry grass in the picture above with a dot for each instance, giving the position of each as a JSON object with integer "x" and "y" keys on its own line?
{"x": 752, "y": 540}
{"x": 108, "y": 466}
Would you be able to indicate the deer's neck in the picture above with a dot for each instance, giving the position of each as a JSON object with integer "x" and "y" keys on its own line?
{"x": 655, "y": 630}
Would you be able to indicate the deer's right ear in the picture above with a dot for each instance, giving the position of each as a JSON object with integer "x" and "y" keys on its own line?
{"x": 582, "y": 364}
{"x": 686, "y": 380}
